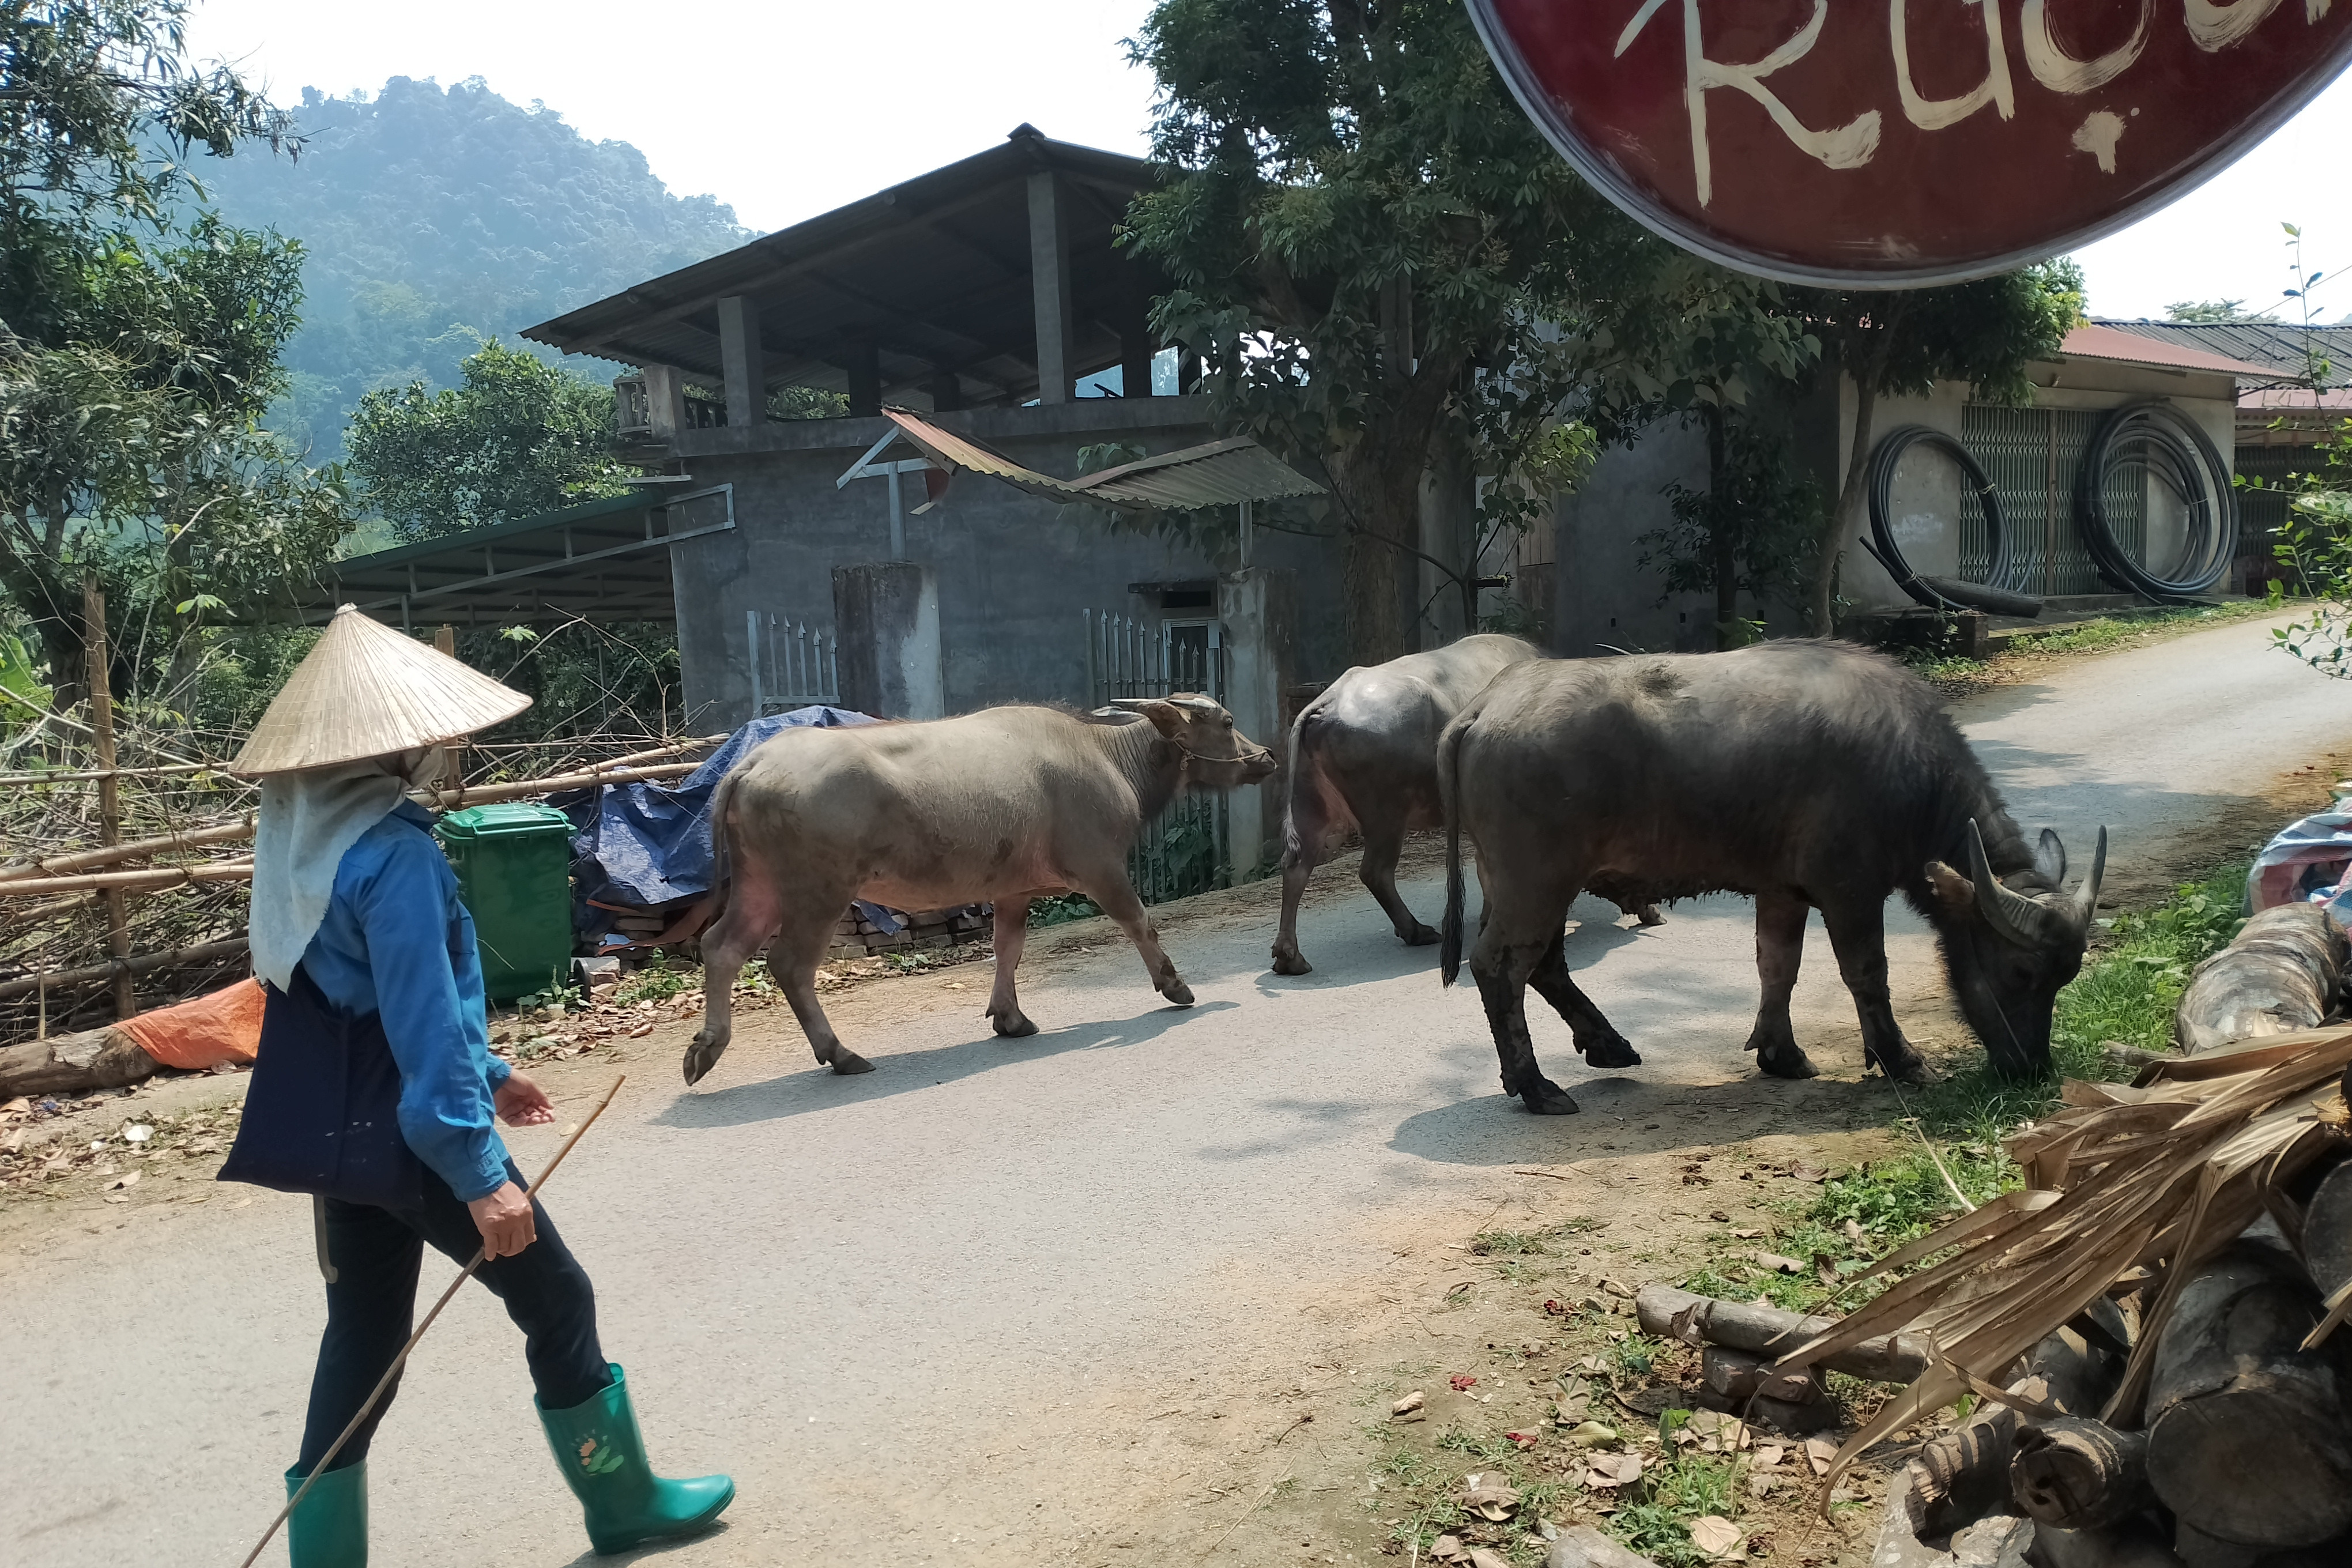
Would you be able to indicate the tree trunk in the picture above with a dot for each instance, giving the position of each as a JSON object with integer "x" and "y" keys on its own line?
{"x": 2247, "y": 1435}
{"x": 2281, "y": 974}
{"x": 1379, "y": 494}
{"x": 73, "y": 1064}
{"x": 1852, "y": 505}
{"x": 2074, "y": 1473}
{"x": 1722, "y": 533}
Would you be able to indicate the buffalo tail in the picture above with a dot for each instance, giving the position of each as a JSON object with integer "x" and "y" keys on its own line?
{"x": 1298, "y": 780}
{"x": 1449, "y": 950}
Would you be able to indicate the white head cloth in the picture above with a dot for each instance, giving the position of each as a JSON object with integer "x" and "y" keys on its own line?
{"x": 307, "y": 822}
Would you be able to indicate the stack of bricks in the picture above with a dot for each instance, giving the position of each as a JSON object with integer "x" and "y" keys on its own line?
{"x": 858, "y": 937}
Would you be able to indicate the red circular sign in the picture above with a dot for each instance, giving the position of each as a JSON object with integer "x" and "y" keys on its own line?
{"x": 1911, "y": 142}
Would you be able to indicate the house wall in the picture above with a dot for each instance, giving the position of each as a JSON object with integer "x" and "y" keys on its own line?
{"x": 1602, "y": 596}
{"x": 1013, "y": 573}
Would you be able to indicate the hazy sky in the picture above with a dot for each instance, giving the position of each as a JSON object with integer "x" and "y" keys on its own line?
{"x": 787, "y": 110}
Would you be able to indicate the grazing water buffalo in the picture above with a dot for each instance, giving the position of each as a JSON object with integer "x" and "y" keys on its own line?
{"x": 1005, "y": 804}
{"x": 1363, "y": 755}
{"x": 1808, "y": 774}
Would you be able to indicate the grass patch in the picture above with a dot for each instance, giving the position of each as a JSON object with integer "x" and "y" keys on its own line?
{"x": 1956, "y": 676}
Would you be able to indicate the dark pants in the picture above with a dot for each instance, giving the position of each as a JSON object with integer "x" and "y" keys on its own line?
{"x": 372, "y": 1306}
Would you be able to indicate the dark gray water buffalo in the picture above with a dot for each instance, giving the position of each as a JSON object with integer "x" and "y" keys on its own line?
{"x": 1363, "y": 756}
{"x": 1004, "y": 804}
{"x": 1808, "y": 774}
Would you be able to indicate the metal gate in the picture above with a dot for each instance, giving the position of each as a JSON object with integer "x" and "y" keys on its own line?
{"x": 794, "y": 664}
{"x": 1187, "y": 848}
{"x": 2031, "y": 455}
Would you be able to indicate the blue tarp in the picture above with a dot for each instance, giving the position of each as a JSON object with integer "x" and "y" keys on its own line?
{"x": 647, "y": 844}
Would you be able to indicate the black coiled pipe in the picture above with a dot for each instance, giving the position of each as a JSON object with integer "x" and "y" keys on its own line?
{"x": 2001, "y": 591}
{"x": 2165, "y": 442}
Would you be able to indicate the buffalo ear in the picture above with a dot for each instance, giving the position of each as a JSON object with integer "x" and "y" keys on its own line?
{"x": 1954, "y": 891}
{"x": 2050, "y": 859}
{"x": 1166, "y": 717}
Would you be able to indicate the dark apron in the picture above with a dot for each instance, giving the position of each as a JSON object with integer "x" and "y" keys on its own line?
{"x": 322, "y": 1113}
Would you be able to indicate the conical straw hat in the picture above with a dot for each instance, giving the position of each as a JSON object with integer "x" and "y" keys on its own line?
{"x": 366, "y": 690}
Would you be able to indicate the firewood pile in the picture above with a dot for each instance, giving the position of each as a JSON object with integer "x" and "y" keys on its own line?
{"x": 926, "y": 930}
{"x": 2148, "y": 1328}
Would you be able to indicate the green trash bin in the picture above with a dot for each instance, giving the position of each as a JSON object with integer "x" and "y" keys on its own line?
{"x": 514, "y": 871}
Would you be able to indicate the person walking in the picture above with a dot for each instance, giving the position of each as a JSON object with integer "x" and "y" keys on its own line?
{"x": 374, "y": 1089}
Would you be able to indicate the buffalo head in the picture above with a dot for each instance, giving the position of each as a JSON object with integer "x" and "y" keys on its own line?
{"x": 2011, "y": 952}
{"x": 1216, "y": 755}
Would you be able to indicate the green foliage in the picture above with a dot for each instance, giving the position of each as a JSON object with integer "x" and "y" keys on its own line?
{"x": 437, "y": 220}
{"x": 1754, "y": 529}
{"x": 2209, "y": 311}
{"x": 1357, "y": 215}
{"x": 1061, "y": 909}
{"x": 2314, "y": 545}
{"x": 515, "y": 439}
{"x": 1680, "y": 1486}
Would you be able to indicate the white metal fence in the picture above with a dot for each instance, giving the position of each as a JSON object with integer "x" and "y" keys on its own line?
{"x": 793, "y": 664}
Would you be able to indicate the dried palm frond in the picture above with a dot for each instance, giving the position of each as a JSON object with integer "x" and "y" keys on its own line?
{"x": 2126, "y": 1188}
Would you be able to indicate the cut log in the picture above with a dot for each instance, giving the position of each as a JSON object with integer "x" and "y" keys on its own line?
{"x": 1582, "y": 1546}
{"x": 73, "y": 1064}
{"x": 2328, "y": 1231}
{"x": 2136, "y": 1546}
{"x": 1742, "y": 1375}
{"x": 1694, "y": 1319}
{"x": 2075, "y": 1473}
{"x": 2248, "y": 1439}
{"x": 2281, "y": 973}
{"x": 1960, "y": 1476}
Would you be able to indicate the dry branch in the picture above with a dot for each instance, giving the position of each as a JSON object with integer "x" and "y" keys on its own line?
{"x": 132, "y": 881}
{"x": 1677, "y": 1314}
{"x": 138, "y": 850}
{"x": 144, "y": 964}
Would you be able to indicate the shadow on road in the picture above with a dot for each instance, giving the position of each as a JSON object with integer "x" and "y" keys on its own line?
{"x": 652, "y": 1550}
{"x": 819, "y": 1088}
{"x": 1346, "y": 958}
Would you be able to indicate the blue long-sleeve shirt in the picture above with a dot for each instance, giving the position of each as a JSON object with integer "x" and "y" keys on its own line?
{"x": 396, "y": 942}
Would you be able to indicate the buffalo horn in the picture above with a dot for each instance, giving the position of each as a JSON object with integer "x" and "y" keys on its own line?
{"x": 1198, "y": 703}
{"x": 2086, "y": 896}
{"x": 2011, "y": 915}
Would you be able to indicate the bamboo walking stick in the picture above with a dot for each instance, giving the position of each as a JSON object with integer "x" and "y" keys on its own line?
{"x": 402, "y": 1358}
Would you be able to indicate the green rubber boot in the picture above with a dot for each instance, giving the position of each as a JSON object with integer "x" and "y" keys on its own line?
{"x": 603, "y": 1463}
{"x": 330, "y": 1529}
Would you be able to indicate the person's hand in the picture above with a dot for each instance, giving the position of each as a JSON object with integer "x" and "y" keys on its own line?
{"x": 522, "y": 1103}
{"x": 505, "y": 1219}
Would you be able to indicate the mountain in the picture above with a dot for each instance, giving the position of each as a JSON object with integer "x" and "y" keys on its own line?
{"x": 436, "y": 219}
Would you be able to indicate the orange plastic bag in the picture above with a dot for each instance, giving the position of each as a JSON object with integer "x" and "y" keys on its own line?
{"x": 222, "y": 1026}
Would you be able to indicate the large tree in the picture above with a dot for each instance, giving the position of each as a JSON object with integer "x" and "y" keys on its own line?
{"x": 1904, "y": 341}
{"x": 517, "y": 436}
{"x": 138, "y": 348}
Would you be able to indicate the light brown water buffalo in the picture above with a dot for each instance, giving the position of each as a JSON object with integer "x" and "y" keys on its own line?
{"x": 1005, "y": 804}
{"x": 1363, "y": 756}
{"x": 1808, "y": 774}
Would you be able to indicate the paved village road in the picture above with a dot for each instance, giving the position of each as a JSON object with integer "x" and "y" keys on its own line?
{"x": 1001, "y": 1302}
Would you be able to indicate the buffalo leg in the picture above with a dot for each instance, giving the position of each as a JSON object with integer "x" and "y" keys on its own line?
{"x": 1303, "y": 843}
{"x": 1116, "y": 896}
{"x": 1602, "y": 1046}
{"x": 792, "y": 958}
{"x": 1004, "y": 1013}
{"x": 1779, "y": 950}
{"x": 1502, "y": 968}
{"x": 1858, "y": 934}
{"x": 1384, "y": 843}
{"x": 753, "y": 910}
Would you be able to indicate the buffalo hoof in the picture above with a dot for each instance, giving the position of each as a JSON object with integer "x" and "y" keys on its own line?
{"x": 702, "y": 1056}
{"x": 1616, "y": 1051}
{"x": 1786, "y": 1061}
{"x": 1421, "y": 936}
{"x": 1180, "y": 994}
{"x": 1548, "y": 1099}
{"x": 1902, "y": 1064}
{"x": 1016, "y": 1027}
{"x": 847, "y": 1062}
{"x": 1649, "y": 916}
{"x": 1291, "y": 962}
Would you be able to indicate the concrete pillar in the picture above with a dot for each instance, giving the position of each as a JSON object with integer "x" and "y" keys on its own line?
{"x": 1135, "y": 362}
{"x": 1259, "y": 610}
{"x": 864, "y": 367}
{"x": 885, "y": 617}
{"x": 742, "y": 363}
{"x": 664, "y": 401}
{"x": 1049, "y": 278}
{"x": 946, "y": 392}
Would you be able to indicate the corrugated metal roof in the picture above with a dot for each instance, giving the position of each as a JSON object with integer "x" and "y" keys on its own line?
{"x": 1216, "y": 473}
{"x": 2101, "y": 340}
{"x": 2281, "y": 348}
